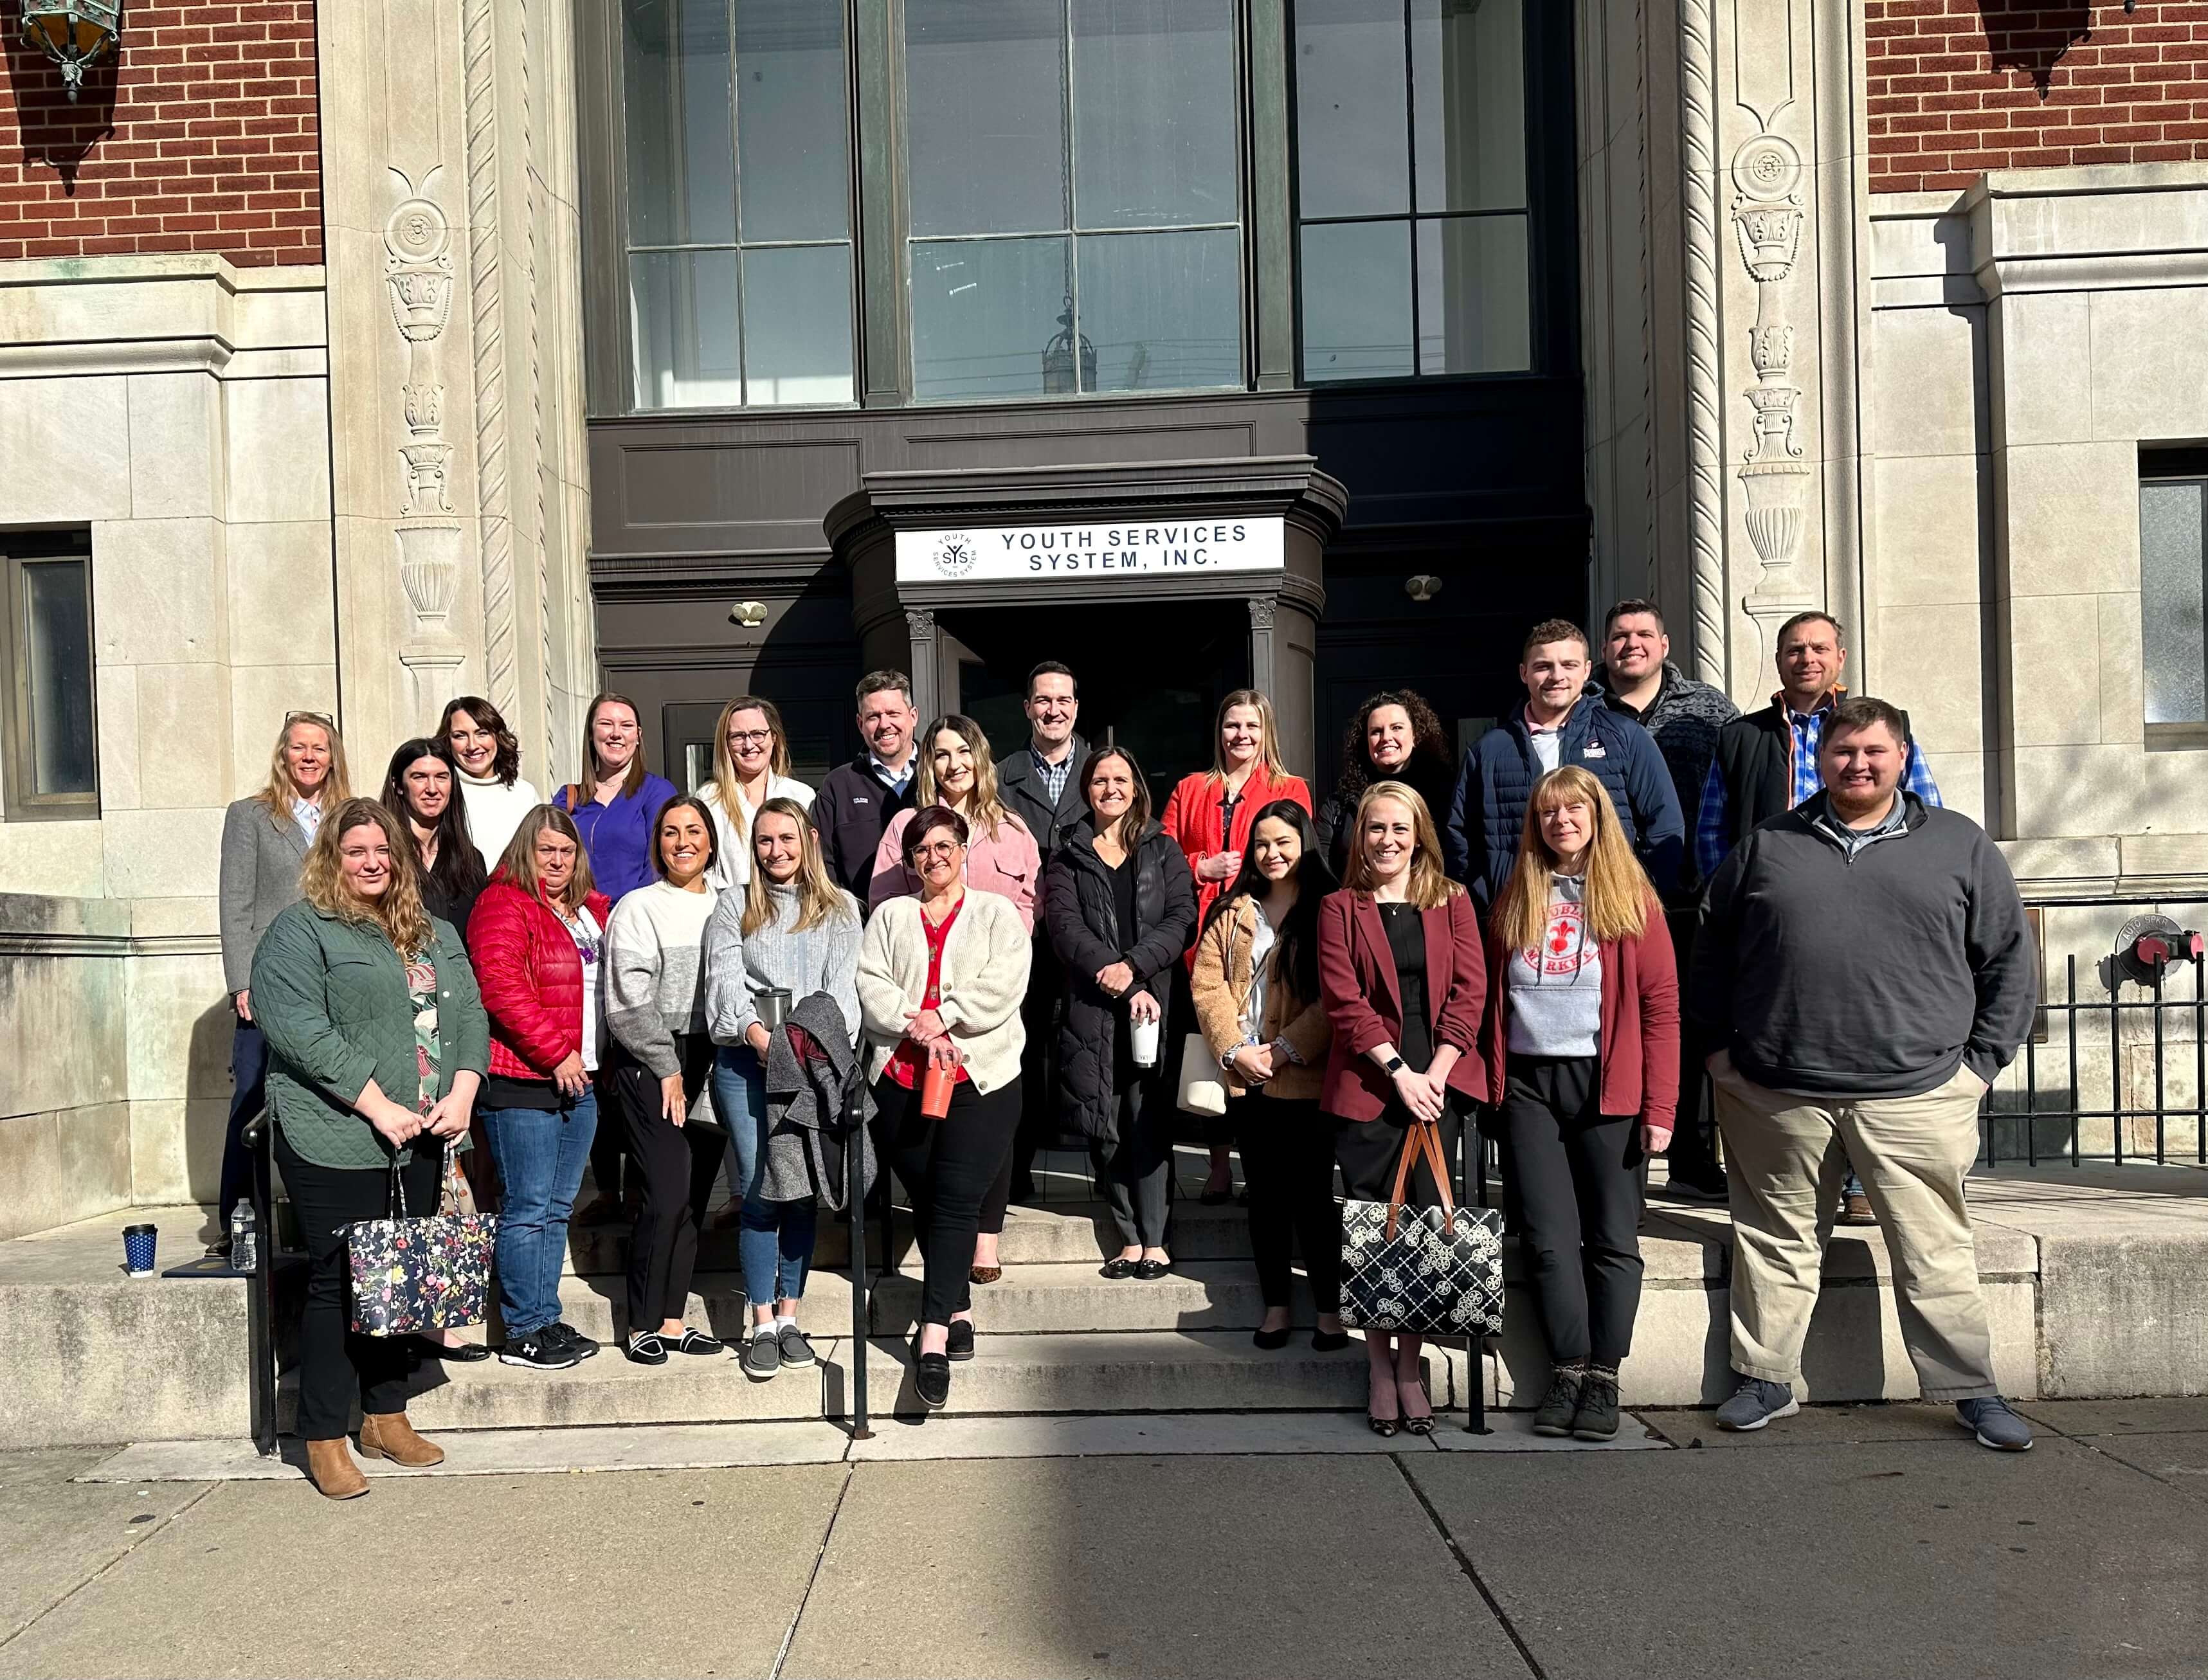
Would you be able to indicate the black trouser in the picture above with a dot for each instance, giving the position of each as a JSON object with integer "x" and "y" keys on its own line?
{"x": 1134, "y": 1168}
{"x": 1693, "y": 1154}
{"x": 946, "y": 1167}
{"x": 678, "y": 1165}
{"x": 1573, "y": 1178}
{"x": 336, "y": 1366}
{"x": 1039, "y": 1014}
{"x": 1367, "y": 1151}
{"x": 249, "y": 1073}
{"x": 610, "y": 1149}
{"x": 1288, "y": 1161}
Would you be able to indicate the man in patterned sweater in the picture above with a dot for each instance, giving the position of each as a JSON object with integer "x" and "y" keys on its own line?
{"x": 1638, "y": 679}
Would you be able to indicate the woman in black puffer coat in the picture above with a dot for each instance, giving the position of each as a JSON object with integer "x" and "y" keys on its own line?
{"x": 1394, "y": 736}
{"x": 1119, "y": 904}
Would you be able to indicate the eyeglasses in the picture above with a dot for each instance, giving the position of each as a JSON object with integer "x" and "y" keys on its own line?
{"x": 750, "y": 737}
{"x": 321, "y": 718}
{"x": 940, "y": 848}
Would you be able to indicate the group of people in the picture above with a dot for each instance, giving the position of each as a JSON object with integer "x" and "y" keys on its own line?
{"x": 987, "y": 955}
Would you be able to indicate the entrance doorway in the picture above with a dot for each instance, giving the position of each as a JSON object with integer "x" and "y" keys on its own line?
{"x": 1150, "y": 675}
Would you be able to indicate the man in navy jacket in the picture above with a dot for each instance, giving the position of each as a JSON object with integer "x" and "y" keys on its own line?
{"x": 1559, "y": 724}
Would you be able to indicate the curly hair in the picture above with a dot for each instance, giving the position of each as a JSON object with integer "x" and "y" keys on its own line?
{"x": 1429, "y": 766}
{"x": 398, "y": 912}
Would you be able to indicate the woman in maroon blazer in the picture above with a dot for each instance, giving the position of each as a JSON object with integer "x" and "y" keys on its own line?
{"x": 1582, "y": 1042}
{"x": 1404, "y": 977}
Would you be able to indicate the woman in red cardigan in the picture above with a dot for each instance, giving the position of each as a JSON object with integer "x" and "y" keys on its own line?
{"x": 1404, "y": 979}
{"x": 1209, "y": 816}
{"x": 1582, "y": 1042}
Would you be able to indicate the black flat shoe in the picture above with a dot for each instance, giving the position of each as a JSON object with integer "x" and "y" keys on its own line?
{"x": 1271, "y": 1341}
{"x": 1325, "y": 1341}
{"x": 931, "y": 1380}
{"x": 1215, "y": 1198}
{"x": 1120, "y": 1266}
{"x": 467, "y": 1352}
{"x": 961, "y": 1345}
{"x": 645, "y": 1350}
{"x": 697, "y": 1341}
{"x": 1151, "y": 1270}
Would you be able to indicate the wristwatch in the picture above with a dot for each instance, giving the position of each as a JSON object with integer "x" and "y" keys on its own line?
{"x": 1394, "y": 1066}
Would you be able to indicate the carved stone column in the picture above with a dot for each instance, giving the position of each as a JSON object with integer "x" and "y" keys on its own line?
{"x": 926, "y": 689}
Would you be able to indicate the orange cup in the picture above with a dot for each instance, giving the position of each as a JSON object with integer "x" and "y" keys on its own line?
{"x": 935, "y": 1091}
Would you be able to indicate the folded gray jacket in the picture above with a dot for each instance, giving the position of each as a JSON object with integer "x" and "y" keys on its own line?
{"x": 805, "y": 1099}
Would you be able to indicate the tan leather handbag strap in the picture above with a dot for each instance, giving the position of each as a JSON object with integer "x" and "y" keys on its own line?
{"x": 1421, "y": 1139}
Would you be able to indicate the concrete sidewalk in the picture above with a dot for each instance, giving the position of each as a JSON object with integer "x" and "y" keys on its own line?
{"x": 1873, "y": 1540}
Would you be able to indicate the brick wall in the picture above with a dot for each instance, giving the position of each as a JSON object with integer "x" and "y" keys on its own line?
{"x": 204, "y": 137}
{"x": 1959, "y": 87}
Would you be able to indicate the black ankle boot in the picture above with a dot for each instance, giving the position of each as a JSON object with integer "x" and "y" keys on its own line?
{"x": 1561, "y": 1405}
{"x": 1597, "y": 1417}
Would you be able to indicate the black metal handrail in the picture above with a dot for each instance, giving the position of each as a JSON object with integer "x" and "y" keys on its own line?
{"x": 260, "y": 1138}
{"x": 854, "y": 1196}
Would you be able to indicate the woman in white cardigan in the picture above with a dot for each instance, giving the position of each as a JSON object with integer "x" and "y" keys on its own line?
{"x": 751, "y": 766}
{"x": 941, "y": 979}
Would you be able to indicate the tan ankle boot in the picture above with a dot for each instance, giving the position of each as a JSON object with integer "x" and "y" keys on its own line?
{"x": 388, "y": 1435}
{"x": 330, "y": 1465}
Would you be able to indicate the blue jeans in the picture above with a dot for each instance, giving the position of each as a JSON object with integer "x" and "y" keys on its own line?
{"x": 775, "y": 1243}
{"x": 540, "y": 1155}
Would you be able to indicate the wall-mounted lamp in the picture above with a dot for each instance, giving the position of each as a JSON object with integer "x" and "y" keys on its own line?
{"x": 73, "y": 33}
{"x": 1422, "y": 587}
{"x": 749, "y": 614}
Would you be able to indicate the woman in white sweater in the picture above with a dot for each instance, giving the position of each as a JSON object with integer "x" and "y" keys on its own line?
{"x": 662, "y": 1061}
{"x": 494, "y": 798}
{"x": 751, "y": 766}
{"x": 941, "y": 978}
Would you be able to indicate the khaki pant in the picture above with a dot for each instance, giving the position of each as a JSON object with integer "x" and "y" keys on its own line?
{"x": 1787, "y": 1156}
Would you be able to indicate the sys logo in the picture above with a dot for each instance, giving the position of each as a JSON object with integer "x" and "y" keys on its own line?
{"x": 954, "y": 554}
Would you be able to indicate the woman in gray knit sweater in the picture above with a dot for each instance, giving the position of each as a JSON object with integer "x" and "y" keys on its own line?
{"x": 790, "y": 929}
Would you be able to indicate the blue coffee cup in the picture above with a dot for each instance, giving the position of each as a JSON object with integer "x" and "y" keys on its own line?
{"x": 138, "y": 1249}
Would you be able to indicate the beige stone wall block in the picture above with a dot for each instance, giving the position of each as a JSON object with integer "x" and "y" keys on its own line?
{"x": 2174, "y": 794}
{"x": 184, "y": 734}
{"x": 2123, "y": 681}
{"x": 2054, "y": 866}
{"x": 2150, "y": 347}
{"x": 163, "y": 854}
{"x": 176, "y": 1151}
{"x": 64, "y": 1165}
{"x": 1924, "y": 386}
{"x": 1932, "y": 669}
{"x": 283, "y": 610}
{"x": 260, "y": 695}
{"x": 51, "y": 859}
{"x": 1962, "y": 780}
{"x": 180, "y": 1028}
{"x": 279, "y": 449}
{"x": 157, "y": 592}
{"x": 1930, "y": 509}
{"x": 2055, "y": 671}
{"x": 173, "y": 919}
{"x": 2069, "y": 514}
{"x": 2167, "y": 854}
{"x": 63, "y": 1019}
{"x": 66, "y": 443}
{"x": 115, "y": 694}
{"x": 176, "y": 457}
{"x": 2061, "y": 792}
{"x": 368, "y": 420}
{"x": 2042, "y": 349}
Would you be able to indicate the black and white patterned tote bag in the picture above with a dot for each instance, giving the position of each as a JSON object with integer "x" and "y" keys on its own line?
{"x": 1424, "y": 1271}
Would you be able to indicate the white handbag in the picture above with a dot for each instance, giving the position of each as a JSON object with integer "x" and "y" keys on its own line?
{"x": 1202, "y": 1086}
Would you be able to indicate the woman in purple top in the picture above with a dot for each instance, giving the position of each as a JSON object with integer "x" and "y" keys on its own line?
{"x": 616, "y": 808}
{"x": 616, "y": 803}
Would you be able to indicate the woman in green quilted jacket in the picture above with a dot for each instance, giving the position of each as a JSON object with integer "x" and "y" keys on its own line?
{"x": 377, "y": 1044}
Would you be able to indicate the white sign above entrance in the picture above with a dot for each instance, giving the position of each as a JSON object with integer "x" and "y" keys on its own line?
{"x": 1159, "y": 550}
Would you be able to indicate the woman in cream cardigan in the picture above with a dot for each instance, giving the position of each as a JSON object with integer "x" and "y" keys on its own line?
{"x": 941, "y": 978}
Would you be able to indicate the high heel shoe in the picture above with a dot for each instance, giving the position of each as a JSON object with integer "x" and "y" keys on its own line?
{"x": 1424, "y": 1424}
{"x": 1385, "y": 1428}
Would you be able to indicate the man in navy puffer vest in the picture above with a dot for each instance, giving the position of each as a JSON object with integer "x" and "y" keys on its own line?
{"x": 1559, "y": 724}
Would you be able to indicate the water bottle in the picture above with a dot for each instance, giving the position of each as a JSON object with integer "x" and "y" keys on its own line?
{"x": 244, "y": 1240}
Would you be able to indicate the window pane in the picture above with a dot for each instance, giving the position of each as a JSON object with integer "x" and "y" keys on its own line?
{"x": 2170, "y": 571}
{"x": 57, "y": 644}
{"x": 1351, "y": 138}
{"x": 797, "y": 325}
{"x": 1163, "y": 311}
{"x": 792, "y": 120}
{"x": 1154, "y": 103}
{"x": 985, "y": 115}
{"x": 1468, "y": 79}
{"x": 679, "y": 122}
{"x": 683, "y": 320}
{"x": 984, "y": 315}
{"x": 1357, "y": 301}
{"x": 1474, "y": 306}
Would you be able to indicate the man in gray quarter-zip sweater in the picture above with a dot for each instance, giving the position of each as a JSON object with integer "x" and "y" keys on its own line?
{"x": 1865, "y": 962}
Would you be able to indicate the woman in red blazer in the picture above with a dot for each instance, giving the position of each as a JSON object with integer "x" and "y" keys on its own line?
{"x": 1582, "y": 1042}
{"x": 1404, "y": 979}
{"x": 1209, "y": 816}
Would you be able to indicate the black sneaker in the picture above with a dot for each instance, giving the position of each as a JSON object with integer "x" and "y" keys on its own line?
{"x": 585, "y": 1348}
{"x": 1596, "y": 1418}
{"x": 961, "y": 1345}
{"x": 1553, "y": 1418}
{"x": 541, "y": 1350}
{"x": 1706, "y": 1184}
{"x": 931, "y": 1380}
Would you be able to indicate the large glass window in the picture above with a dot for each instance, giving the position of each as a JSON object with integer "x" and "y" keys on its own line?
{"x": 52, "y": 758}
{"x": 2174, "y": 594}
{"x": 1411, "y": 187}
{"x": 738, "y": 142}
{"x": 1073, "y": 197}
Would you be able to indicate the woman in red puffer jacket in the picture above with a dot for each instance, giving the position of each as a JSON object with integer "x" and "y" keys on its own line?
{"x": 535, "y": 939}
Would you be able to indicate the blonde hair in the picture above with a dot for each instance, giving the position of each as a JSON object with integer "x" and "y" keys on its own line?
{"x": 1618, "y": 890}
{"x": 819, "y": 898}
{"x": 398, "y": 913}
{"x": 1428, "y": 887}
{"x": 1269, "y": 734}
{"x": 724, "y": 761}
{"x": 987, "y": 813}
{"x": 281, "y": 789}
{"x": 520, "y": 862}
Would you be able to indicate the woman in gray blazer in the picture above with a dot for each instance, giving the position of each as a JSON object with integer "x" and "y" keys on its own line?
{"x": 264, "y": 845}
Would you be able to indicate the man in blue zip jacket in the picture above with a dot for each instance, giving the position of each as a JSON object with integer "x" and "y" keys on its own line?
{"x": 1559, "y": 724}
